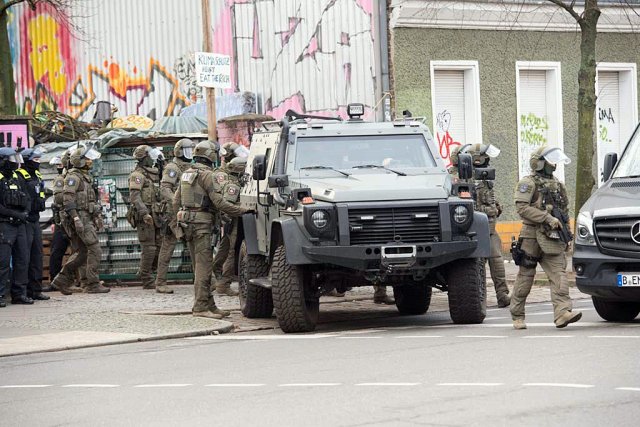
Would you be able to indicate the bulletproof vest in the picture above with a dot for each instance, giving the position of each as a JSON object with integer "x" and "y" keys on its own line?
{"x": 150, "y": 192}
{"x": 12, "y": 194}
{"x": 193, "y": 196}
{"x": 485, "y": 196}
{"x": 553, "y": 188}
{"x": 86, "y": 195}
{"x": 35, "y": 186}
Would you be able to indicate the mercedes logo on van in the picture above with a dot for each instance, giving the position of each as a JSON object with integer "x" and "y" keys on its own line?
{"x": 635, "y": 232}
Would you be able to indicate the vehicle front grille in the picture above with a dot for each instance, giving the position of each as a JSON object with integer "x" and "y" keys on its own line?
{"x": 615, "y": 233}
{"x": 379, "y": 226}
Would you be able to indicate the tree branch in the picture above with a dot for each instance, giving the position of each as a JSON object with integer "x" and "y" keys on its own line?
{"x": 568, "y": 8}
{"x": 7, "y": 5}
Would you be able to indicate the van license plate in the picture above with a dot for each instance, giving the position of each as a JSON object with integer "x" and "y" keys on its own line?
{"x": 628, "y": 279}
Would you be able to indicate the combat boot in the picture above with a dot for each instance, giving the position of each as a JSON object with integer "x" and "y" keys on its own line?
{"x": 219, "y": 311}
{"x": 380, "y": 296}
{"x": 335, "y": 293}
{"x": 226, "y": 290}
{"x": 208, "y": 314}
{"x": 568, "y": 317}
{"x": 2, "y": 303}
{"x": 164, "y": 289}
{"x": 519, "y": 324}
{"x": 64, "y": 289}
{"x": 504, "y": 301}
{"x": 97, "y": 288}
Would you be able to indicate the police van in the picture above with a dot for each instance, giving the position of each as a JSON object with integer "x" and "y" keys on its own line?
{"x": 606, "y": 255}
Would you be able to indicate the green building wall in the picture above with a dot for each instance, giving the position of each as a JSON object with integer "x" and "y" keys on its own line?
{"x": 497, "y": 53}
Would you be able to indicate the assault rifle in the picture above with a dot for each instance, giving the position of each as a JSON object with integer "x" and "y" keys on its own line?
{"x": 564, "y": 232}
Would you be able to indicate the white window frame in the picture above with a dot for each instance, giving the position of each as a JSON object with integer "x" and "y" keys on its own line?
{"x": 554, "y": 91}
{"x": 472, "y": 108}
{"x": 630, "y": 72}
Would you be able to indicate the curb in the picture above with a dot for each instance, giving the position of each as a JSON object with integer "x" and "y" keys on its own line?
{"x": 222, "y": 329}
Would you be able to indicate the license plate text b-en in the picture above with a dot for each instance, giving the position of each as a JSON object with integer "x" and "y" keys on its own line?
{"x": 628, "y": 279}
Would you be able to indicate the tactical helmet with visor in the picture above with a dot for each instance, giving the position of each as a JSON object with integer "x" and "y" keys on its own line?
{"x": 184, "y": 149}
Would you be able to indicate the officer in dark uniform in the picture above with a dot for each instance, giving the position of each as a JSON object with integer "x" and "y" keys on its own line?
{"x": 14, "y": 207}
{"x": 32, "y": 178}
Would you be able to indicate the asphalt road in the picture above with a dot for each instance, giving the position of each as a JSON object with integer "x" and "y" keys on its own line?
{"x": 419, "y": 370}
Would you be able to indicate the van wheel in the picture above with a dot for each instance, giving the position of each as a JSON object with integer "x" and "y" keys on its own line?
{"x": 412, "y": 299}
{"x": 467, "y": 290}
{"x": 616, "y": 311}
{"x": 297, "y": 311}
{"x": 255, "y": 301}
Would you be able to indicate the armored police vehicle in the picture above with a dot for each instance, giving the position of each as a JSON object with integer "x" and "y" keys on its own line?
{"x": 340, "y": 204}
{"x": 606, "y": 255}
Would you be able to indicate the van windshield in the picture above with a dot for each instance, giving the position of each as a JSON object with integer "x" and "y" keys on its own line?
{"x": 348, "y": 152}
{"x": 629, "y": 166}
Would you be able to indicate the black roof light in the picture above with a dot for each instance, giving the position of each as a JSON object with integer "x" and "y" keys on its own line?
{"x": 355, "y": 111}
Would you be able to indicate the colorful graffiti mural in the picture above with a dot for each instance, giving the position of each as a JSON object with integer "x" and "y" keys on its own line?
{"x": 293, "y": 54}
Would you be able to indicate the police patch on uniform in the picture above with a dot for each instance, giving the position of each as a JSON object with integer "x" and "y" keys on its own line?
{"x": 523, "y": 188}
{"x": 220, "y": 178}
{"x": 59, "y": 184}
{"x": 138, "y": 180}
{"x": 232, "y": 191}
{"x": 71, "y": 181}
{"x": 172, "y": 174}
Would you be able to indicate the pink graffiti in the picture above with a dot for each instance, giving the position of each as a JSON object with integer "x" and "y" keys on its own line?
{"x": 445, "y": 144}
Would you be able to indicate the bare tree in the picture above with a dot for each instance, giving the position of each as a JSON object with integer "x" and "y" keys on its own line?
{"x": 7, "y": 81}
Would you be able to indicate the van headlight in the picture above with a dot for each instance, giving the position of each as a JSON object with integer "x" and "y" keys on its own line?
{"x": 320, "y": 222}
{"x": 584, "y": 230}
{"x": 461, "y": 216}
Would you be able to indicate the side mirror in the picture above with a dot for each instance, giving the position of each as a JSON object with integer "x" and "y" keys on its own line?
{"x": 465, "y": 166}
{"x": 259, "y": 170}
{"x": 278, "y": 181}
{"x": 610, "y": 161}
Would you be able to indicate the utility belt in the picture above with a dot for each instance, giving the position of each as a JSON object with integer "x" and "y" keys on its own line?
{"x": 520, "y": 257}
{"x": 187, "y": 216}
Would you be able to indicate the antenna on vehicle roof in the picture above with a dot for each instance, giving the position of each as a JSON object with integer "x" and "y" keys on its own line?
{"x": 293, "y": 115}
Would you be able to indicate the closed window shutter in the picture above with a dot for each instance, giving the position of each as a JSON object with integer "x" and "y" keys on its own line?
{"x": 449, "y": 103}
{"x": 608, "y": 115}
{"x": 533, "y": 93}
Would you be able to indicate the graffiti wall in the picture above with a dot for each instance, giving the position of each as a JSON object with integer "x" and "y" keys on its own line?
{"x": 310, "y": 56}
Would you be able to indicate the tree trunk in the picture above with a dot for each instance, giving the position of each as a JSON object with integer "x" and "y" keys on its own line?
{"x": 585, "y": 181}
{"x": 7, "y": 84}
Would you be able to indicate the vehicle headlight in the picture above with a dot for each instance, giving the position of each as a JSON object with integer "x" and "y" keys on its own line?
{"x": 460, "y": 214}
{"x": 584, "y": 230}
{"x": 320, "y": 219}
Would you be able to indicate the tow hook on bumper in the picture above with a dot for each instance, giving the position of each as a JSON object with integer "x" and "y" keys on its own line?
{"x": 398, "y": 256}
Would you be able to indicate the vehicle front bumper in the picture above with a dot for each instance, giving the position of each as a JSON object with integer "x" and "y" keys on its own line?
{"x": 369, "y": 257}
{"x": 599, "y": 274}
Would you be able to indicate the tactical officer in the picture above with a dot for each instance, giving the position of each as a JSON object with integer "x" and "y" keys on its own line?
{"x": 542, "y": 203}
{"x": 229, "y": 176}
{"x": 231, "y": 150}
{"x": 182, "y": 156}
{"x": 33, "y": 182}
{"x": 60, "y": 240}
{"x": 486, "y": 203}
{"x": 198, "y": 201}
{"x": 145, "y": 212}
{"x": 14, "y": 210}
{"x": 84, "y": 219}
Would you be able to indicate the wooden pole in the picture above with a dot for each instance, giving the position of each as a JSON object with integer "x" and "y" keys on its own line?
{"x": 210, "y": 92}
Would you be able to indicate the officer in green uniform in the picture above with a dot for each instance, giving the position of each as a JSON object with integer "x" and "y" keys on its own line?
{"x": 228, "y": 177}
{"x": 182, "y": 156}
{"x": 30, "y": 173}
{"x": 145, "y": 210}
{"x": 538, "y": 197}
{"x": 199, "y": 201}
{"x": 486, "y": 203}
{"x": 84, "y": 219}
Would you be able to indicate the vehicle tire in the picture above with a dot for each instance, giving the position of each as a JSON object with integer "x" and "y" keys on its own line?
{"x": 467, "y": 290}
{"x": 296, "y": 311}
{"x": 255, "y": 301}
{"x": 412, "y": 299}
{"x": 616, "y": 311}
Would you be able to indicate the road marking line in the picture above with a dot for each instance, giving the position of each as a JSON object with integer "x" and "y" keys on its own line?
{"x": 161, "y": 385}
{"x": 509, "y": 325}
{"x": 482, "y": 336}
{"x": 358, "y": 338}
{"x": 566, "y": 385}
{"x": 470, "y": 384}
{"x": 90, "y": 385}
{"x": 240, "y": 337}
{"x": 309, "y": 385}
{"x": 234, "y": 385}
{"x": 419, "y": 336}
{"x": 496, "y": 318}
{"x": 26, "y": 386}
{"x": 548, "y": 336}
{"x": 614, "y": 336}
{"x": 628, "y": 388}
{"x": 387, "y": 384}
{"x": 364, "y": 331}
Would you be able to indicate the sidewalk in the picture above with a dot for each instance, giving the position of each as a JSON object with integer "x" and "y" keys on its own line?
{"x": 128, "y": 315}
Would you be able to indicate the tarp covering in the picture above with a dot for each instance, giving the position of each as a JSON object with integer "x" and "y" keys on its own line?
{"x": 180, "y": 125}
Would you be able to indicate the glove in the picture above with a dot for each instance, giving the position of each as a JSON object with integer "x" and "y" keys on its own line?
{"x": 98, "y": 222}
{"x": 78, "y": 224}
{"x": 148, "y": 219}
{"x": 250, "y": 211}
{"x": 553, "y": 222}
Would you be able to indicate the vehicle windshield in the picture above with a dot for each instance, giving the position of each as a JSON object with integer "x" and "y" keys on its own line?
{"x": 363, "y": 152}
{"x": 628, "y": 166}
